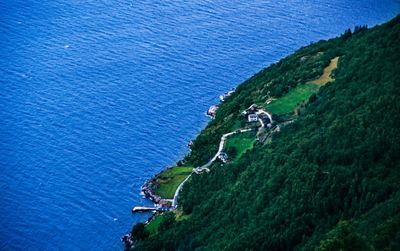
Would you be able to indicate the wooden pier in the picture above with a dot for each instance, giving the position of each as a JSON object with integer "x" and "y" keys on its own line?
{"x": 143, "y": 209}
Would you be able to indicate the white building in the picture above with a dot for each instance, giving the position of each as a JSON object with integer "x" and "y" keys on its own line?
{"x": 223, "y": 157}
{"x": 252, "y": 117}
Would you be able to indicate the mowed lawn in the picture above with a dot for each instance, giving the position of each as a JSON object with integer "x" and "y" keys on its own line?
{"x": 291, "y": 100}
{"x": 170, "y": 179}
{"x": 241, "y": 142}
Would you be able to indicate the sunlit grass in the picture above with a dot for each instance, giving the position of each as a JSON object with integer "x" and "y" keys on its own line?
{"x": 170, "y": 179}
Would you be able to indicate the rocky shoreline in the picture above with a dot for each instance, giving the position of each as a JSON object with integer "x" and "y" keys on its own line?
{"x": 148, "y": 191}
{"x": 148, "y": 188}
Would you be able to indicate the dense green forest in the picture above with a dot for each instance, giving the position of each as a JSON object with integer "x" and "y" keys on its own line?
{"x": 330, "y": 180}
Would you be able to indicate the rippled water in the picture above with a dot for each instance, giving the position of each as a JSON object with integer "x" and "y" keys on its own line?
{"x": 97, "y": 96}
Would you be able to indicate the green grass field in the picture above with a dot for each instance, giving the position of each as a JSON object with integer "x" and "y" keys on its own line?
{"x": 241, "y": 142}
{"x": 170, "y": 179}
{"x": 290, "y": 101}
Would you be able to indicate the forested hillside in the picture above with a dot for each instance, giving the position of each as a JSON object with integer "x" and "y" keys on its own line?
{"x": 328, "y": 180}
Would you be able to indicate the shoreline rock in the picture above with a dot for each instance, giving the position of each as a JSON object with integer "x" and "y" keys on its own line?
{"x": 148, "y": 190}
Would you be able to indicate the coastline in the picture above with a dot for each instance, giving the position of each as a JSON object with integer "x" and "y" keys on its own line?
{"x": 161, "y": 204}
{"x": 148, "y": 189}
{"x": 254, "y": 113}
{"x": 266, "y": 152}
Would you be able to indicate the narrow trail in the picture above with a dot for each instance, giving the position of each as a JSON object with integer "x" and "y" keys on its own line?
{"x": 176, "y": 195}
{"x": 220, "y": 148}
{"x": 205, "y": 166}
{"x": 323, "y": 79}
{"x": 262, "y": 111}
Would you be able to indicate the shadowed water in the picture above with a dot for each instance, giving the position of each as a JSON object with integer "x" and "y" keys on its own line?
{"x": 98, "y": 96}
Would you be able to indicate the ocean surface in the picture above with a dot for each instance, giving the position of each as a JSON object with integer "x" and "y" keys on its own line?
{"x": 98, "y": 96}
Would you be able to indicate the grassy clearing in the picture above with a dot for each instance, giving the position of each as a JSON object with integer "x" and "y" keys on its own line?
{"x": 326, "y": 76}
{"x": 170, "y": 179}
{"x": 290, "y": 101}
{"x": 241, "y": 142}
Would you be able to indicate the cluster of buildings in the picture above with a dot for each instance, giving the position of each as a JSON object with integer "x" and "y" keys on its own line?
{"x": 251, "y": 113}
{"x": 254, "y": 114}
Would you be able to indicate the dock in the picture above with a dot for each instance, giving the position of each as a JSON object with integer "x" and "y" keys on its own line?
{"x": 143, "y": 209}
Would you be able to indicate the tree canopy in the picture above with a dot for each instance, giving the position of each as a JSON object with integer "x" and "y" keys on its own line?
{"x": 328, "y": 181}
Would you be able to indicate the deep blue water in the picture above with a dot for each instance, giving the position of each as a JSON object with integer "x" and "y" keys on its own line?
{"x": 98, "y": 96}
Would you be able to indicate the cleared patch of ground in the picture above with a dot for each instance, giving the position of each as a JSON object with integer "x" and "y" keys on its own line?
{"x": 241, "y": 143}
{"x": 291, "y": 100}
{"x": 288, "y": 102}
{"x": 326, "y": 76}
{"x": 169, "y": 180}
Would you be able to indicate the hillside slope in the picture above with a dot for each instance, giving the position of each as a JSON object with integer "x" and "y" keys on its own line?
{"x": 329, "y": 180}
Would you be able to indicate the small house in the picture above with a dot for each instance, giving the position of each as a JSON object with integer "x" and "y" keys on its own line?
{"x": 252, "y": 117}
{"x": 223, "y": 157}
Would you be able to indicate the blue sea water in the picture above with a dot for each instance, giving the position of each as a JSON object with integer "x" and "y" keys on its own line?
{"x": 98, "y": 96}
